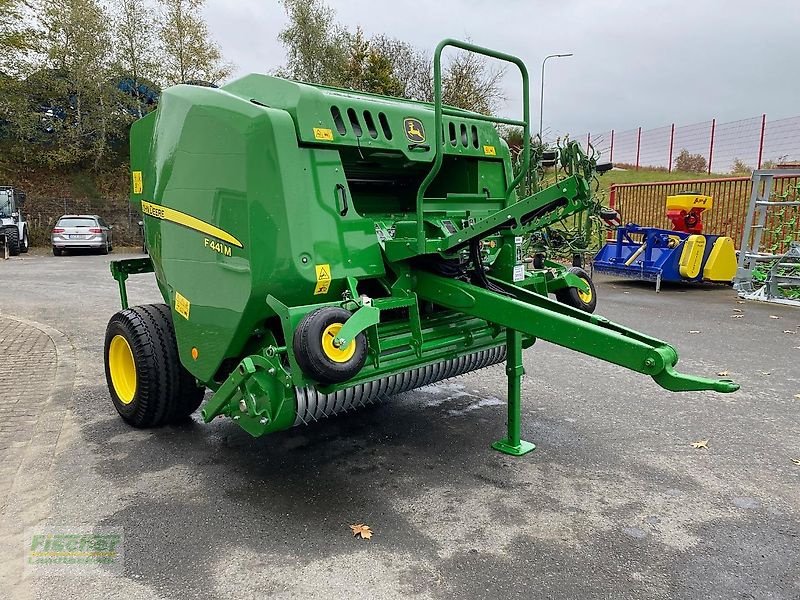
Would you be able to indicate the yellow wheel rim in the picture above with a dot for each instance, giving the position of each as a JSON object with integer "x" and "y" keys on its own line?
{"x": 586, "y": 297}
{"x": 339, "y": 355}
{"x": 122, "y": 369}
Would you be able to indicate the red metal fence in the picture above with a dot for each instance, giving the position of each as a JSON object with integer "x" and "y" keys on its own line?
{"x": 752, "y": 141}
{"x": 644, "y": 204}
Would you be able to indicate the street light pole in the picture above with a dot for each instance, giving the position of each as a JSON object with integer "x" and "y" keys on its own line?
{"x": 541, "y": 99}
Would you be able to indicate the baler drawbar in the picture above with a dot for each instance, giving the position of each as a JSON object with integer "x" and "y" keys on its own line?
{"x": 318, "y": 250}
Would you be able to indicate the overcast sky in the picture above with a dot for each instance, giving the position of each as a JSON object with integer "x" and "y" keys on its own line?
{"x": 636, "y": 63}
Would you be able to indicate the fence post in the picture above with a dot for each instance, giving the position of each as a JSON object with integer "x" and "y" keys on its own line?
{"x": 711, "y": 147}
{"x": 638, "y": 146}
{"x": 671, "y": 146}
{"x": 612, "y": 203}
{"x": 761, "y": 139}
{"x": 611, "y": 158}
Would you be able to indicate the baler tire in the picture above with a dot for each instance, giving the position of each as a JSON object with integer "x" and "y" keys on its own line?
{"x": 12, "y": 235}
{"x": 190, "y": 395}
{"x": 162, "y": 391}
{"x": 307, "y": 344}
{"x": 573, "y": 297}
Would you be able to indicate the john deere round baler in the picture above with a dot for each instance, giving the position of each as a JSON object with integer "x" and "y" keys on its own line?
{"x": 320, "y": 249}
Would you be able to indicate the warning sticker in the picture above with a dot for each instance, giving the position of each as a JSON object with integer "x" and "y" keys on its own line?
{"x": 323, "y": 279}
{"x": 519, "y": 273}
{"x": 137, "y": 182}
{"x": 489, "y": 151}
{"x": 321, "y": 133}
{"x": 182, "y": 305}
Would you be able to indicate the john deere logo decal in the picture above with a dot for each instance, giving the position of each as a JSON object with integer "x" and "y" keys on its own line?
{"x": 415, "y": 132}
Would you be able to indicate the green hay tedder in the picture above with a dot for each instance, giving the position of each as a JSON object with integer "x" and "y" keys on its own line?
{"x": 320, "y": 249}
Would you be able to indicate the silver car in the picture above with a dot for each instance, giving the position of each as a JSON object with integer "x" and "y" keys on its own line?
{"x": 73, "y": 232}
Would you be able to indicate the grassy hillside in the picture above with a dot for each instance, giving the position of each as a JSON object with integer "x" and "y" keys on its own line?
{"x": 648, "y": 175}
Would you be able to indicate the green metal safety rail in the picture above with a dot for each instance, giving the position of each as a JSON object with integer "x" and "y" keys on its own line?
{"x": 440, "y": 111}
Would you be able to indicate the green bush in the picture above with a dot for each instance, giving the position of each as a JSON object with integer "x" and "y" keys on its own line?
{"x": 693, "y": 163}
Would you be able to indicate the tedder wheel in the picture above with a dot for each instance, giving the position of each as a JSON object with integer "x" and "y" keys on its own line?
{"x": 315, "y": 352}
{"x": 574, "y": 297}
{"x": 147, "y": 382}
{"x": 12, "y": 235}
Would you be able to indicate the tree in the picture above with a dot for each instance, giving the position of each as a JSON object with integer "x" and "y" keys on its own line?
{"x": 76, "y": 44}
{"x": 135, "y": 27}
{"x": 317, "y": 47}
{"x": 15, "y": 40}
{"x": 410, "y": 66}
{"x": 189, "y": 53}
{"x": 320, "y": 50}
{"x": 740, "y": 167}
{"x": 693, "y": 163}
{"x": 15, "y": 34}
{"x": 368, "y": 69}
{"x": 469, "y": 83}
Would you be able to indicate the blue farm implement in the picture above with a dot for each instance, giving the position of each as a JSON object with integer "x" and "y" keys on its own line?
{"x": 681, "y": 254}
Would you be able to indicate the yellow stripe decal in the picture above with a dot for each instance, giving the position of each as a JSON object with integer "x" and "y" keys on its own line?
{"x": 181, "y": 218}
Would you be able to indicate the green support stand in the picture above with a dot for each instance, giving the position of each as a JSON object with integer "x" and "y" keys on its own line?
{"x": 511, "y": 444}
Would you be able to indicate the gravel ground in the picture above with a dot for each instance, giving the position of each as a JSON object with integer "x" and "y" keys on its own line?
{"x": 614, "y": 503}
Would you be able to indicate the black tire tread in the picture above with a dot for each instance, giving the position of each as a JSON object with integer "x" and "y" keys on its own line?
{"x": 569, "y": 296}
{"x": 190, "y": 395}
{"x": 12, "y": 235}
{"x": 308, "y": 351}
{"x": 166, "y": 392}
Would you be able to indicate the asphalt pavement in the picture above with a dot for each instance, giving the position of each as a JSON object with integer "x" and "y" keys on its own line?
{"x": 615, "y": 503}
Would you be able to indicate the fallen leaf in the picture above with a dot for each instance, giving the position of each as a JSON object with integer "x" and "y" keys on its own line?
{"x": 789, "y": 331}
{"x": 723, "y": 374}
{"x": 774, "y": 317}
{"x": 797, "y": 396}
{"x": 694, "y": 331}
{"x": 796, "y": 461}
{"x": 740, "y": 302}
{"x": 765, "y": 373}
{"x": 737, "y": 310}
{"x": 737, "y": 316}
{"x": 363, "y": 530}
{"x": 702, "y": 444}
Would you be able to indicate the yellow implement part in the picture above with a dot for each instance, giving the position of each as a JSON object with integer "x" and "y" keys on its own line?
{"x": 721, "y": 263}
{"x": 122, "y": 368}
{"x": 339, "y": 355}
{"x": 692, "y": 256}
{"x": 689, "y": 201}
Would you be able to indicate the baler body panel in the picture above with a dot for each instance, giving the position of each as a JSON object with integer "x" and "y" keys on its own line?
{"x": 360, "y": 124}
{"x": 237, "y": 166}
